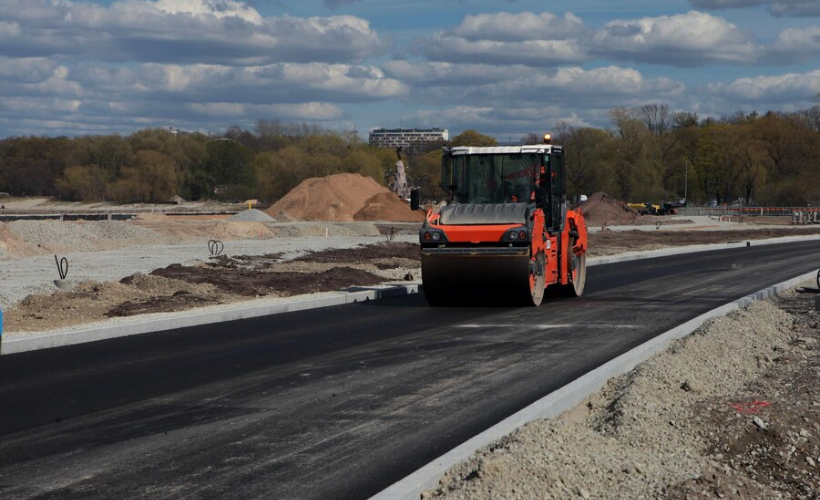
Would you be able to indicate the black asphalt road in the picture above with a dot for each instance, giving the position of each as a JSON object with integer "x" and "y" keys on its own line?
{"x": 332, "y": 403}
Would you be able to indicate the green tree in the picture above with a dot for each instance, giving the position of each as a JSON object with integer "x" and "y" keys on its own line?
{"x": 588, "y": 154}
{"x": 229, "y": 164}
{"x": 129, "y": 187}
{"x": 158, "y": 172}
{"x": 360, "y": 161}
{"x": 279, "y": 172}
{"x": 633, "y": 175}
{"x": 471, "y": 137}
{"x": 83, "y": 183}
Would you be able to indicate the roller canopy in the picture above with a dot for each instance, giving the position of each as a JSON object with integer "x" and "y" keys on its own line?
{"x": 492, "y": 213}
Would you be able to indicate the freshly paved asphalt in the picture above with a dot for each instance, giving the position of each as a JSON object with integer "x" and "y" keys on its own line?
{"x": 332, "y": 403}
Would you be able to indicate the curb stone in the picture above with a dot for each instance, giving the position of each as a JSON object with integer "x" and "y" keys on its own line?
{"x": 194, "y": 317}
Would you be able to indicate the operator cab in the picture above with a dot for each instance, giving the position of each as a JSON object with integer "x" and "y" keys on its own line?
{"x": 532, "y": 174}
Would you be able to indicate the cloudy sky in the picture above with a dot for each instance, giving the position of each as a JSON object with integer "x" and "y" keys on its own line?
{"x": 503, "y": 67}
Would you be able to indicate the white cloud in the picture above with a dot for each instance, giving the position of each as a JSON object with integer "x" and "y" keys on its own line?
{"x": 276, "y": 83}
{"x": 190, "y": 97}
{"x": 526, "y": 38}
{"x": 530, "y": 101}
{"x": 795, "y": 45}
{"x": 312, "y": 111}
{"x": 506, "y": 27}
{"x": 450, "y": 74}
{"x": 509, "y": 123}
{"x": 571, "y": 85}
{"x": 691, "y": 39}
{"x": 799, "y": 89}
{"x": 26, "y": 70}
{"x": 684, "y": 40}
{"x": 180, "y": 31}
{"x": 802, "y": 8}
{"x": 780, "y": 8}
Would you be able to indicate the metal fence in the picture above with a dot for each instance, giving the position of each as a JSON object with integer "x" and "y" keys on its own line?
{"x": 746, "y": 211}
{"x": 798, "y": 215}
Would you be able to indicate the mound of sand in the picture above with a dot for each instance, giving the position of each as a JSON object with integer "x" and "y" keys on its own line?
{"x": 388, "y": 207}
{"x": 601, "y": 208}
{"x": 227, "y": 230}
{"x": 342, "y": 197}
{"x": 14, "y": 245}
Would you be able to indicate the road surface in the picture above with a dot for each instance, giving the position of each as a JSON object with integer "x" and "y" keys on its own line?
{"x": 332, "y": 403}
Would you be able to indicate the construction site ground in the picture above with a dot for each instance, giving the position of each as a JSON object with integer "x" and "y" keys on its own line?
{"x": 730, "y": 412}
{"x": 162, "y": 264}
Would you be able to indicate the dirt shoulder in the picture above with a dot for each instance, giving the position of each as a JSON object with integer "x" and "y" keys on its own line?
{"x": 732, "y": 411}
{"x": 218, "y": 280}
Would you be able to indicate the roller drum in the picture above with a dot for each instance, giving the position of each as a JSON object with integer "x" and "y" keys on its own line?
{"x": 477, "y": 278}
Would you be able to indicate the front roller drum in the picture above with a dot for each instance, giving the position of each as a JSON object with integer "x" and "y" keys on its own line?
{"x": 473, "y": 280}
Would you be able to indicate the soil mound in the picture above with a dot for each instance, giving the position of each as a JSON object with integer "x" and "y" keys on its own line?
{"x": 228, "y": 230}
{"x": 601, "y": 209}
{"x": 333, "y": 198}
{"x": 14, "y": 245}
{"x": 388, "y": 207}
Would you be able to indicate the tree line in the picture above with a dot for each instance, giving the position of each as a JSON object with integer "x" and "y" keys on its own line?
{"x": 648, "y": 154}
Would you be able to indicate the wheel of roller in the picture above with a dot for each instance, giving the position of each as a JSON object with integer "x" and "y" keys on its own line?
{"x": 537, "y": 279}
{"x": 577, "y": 275}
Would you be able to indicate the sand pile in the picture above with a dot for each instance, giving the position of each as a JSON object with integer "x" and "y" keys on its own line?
{"x": 11, "y": 244}
{"x": 341, "y": 197}
{"x": 388, "y": 207}
{"x": 601, "y": 208}
{"x": 226, "y": 230}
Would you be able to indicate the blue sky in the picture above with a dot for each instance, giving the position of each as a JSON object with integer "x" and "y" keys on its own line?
{"x": 505, "y": 68}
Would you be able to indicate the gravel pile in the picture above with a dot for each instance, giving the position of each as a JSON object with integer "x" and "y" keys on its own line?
{"x": 645, "y": 434}
{"x": 53, "y": 233}
{"x": 253, "y": 215}
{"x": 58, "y": 234}
{"x": 118, "y": 230}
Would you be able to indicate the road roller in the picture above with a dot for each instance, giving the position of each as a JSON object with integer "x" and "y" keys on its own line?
{"x": 504, "y": 235}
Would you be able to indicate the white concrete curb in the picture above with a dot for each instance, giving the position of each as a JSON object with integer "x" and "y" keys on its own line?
{"x": 194, "y": 317}
{"x": 566, "y": 397}
{"x": 626, "y": 257}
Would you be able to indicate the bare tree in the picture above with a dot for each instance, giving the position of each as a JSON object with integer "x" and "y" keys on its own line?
{"x": 685, "y": 119}
{"x": 657, "y": 118}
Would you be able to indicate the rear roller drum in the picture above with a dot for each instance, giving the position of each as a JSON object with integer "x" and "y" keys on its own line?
{"x": 577, "y": 276}
{"x": 537, "y": 280}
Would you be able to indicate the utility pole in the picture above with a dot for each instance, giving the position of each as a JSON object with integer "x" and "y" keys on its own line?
{"x": 686, "y": 180}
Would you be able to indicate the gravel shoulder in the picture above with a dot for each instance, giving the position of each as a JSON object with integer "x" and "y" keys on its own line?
{"x": 730, "y": 411}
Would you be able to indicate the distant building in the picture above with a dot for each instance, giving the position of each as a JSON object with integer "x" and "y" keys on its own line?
{"x": 412, "y": 140}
